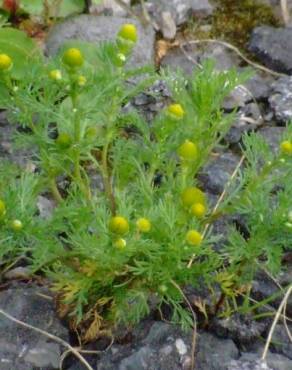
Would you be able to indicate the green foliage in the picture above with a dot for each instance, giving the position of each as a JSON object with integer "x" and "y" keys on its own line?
{"x": 76, "y": 124}
{"x": 20, "y": 48}
{"x": 55, "y": 8}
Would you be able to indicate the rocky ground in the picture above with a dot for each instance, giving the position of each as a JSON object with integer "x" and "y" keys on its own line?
{"x": 265, "y": 105}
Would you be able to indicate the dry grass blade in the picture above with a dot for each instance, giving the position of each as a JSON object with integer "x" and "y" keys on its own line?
{"x": 285, "y": 11}
{"x": 194, "y": 338}
{"x": 89, "y": 352}
{"x": 48, "y": 335}
{"x": 277, "y": 316}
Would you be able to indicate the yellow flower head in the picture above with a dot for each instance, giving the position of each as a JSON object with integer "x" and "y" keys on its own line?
{"x": 143, "y": 225}
{"x": 128, "y": 32}
{"x": 188, "y": 151}
{"x": 192, "y": 195}
{"x": 16, "y": 225}
{"x": 193, "y": 237}
{"x": 286, "y": 147}
{"x": 73, "y": 58}
{"x": 55, "y": 74}
{"x": 198, "y": 210}
{"x": 120, "y": 243}
{"x": 175, "y": 111}
{"x": 119, "y": 225}
{"x": 5, "y": 62}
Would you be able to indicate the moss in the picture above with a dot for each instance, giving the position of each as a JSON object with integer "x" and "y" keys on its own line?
{"x": 233, "y": 20}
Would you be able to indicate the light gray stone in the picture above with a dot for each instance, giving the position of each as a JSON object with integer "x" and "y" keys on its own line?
{"x": 97, "y": 29}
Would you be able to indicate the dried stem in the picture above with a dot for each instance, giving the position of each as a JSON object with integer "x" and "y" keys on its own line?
{"x": 194, "y": 337}
{"x": 231, "y": 47}
{"x": 277, "y": 316}
{"x": 48, "y": 335}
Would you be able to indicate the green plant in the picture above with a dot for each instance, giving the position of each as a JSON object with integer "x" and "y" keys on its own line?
{"x": 110, "y": 252}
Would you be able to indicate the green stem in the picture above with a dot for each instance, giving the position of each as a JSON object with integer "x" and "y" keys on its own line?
{"x": 106, "y": 178}
{"x": 55, "y": 191}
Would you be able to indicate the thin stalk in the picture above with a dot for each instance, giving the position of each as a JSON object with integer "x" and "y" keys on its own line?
{"x": 106, "y": 178}
{"x": 55, "y": 191}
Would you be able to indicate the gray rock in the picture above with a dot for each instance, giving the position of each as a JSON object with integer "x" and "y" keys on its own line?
{"x": 44, "y": 354}
{"x": 216, "y": 174}
{"x": 213, "y": 353}
{"x": 181, "y": 10}
{"x": 194, "y": 54}
{"x": 142, "y": 359}
{"x": 272, "y": 136}
{"x": 45, "y": 206}
{"x": 263, "y": 287}
{"x": 252, "y": 361}
{"x": 168, "y": 347}
{"x": 273, "y": 47}
{"x": 241, "y": 328}
{"x": 248, "y": 118}
{"x": 164, "y": 347}
{"x": 281, "y": 99}
{"x": 96, "y": 29}
{"x": 109, "y": 7}
{"x": 168, "y": 26}
{"x": 22, "y": 348}
{"x": 260, "y": 86}
{"x": 280, "y": 341}
{"x": 18, "y": 273}
{"x": 238, "y": 98}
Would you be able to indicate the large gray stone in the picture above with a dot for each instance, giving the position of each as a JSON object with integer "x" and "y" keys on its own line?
{"x": 22, "y": 348}
{"x": 273, "y": 46}
{"x": 96, "y": 29}
{"x": 167, "y": 347}
{"x": 281, "y": 98}
{"x": 195, "y": 54}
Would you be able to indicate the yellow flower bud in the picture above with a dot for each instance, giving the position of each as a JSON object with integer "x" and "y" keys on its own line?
{"x": 16, "y": 225}
{"x": 2, "y": 208}
{"x": 188, "y": 151}
{"x": 198, "y": 210}
{"x": 286, "y": 147}
{"x": 193, "y": 237}
{"x": 91, "y": 133}
{"x": 143, "y": 225}
{"x": 192, "y": 195}
{"x": 162, "y": 289}
{"x": 120, "y": 243}
{"x": 73, "y": 58}
{"x": 119, "y": 59}
{"x": 64, "y": 140}
{"x": 128, "y": 32}
{"x": 119, "y": 225}
{"x": 55, "y": 74}
{"x": 176, "y": 111}
{"x": 5, "y": 62}
{"x": 81, "y": 80}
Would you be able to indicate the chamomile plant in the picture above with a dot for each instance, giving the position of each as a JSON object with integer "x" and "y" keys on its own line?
{"x": 114, "y": 250}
